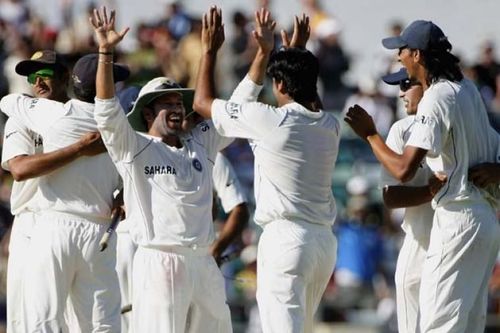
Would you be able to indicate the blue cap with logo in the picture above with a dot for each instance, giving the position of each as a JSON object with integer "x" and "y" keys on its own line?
{"x": 421, "y": 35}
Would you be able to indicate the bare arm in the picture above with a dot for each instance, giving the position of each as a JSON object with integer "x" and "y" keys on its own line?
{"x": 402, "y": 167}
{"x": 212, "y": 38}
{"x": 107, "y": 39}
{"x": 234, "y": 225}
{"x": 401, "y": 196}
{"x": 25, "y": 167}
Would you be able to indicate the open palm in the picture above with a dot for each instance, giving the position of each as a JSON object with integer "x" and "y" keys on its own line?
{"x": 104, "y": 27}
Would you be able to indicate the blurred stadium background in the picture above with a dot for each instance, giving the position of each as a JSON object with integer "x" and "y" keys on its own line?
{"x": 346, "y": 34}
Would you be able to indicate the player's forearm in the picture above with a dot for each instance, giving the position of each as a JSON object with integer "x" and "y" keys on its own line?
{"x": 105, "y": 87}
{"x": 234, "y": 225}
{"x": 30, "y": 166}
{"x": 406, "y": 196}
{"x": 205, "y": 85}
{"x": 400, "y": 167}
{"x": 257, "y": 72}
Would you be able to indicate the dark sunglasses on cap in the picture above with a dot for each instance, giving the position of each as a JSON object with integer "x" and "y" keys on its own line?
{"x": 45, "y": 73}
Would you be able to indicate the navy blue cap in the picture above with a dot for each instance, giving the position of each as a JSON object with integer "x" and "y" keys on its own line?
{"x": 85, "y": 71}
{"x": 421, "y": 35}
{"x": 397, "y": 77}
{"x": 127, "y": 97}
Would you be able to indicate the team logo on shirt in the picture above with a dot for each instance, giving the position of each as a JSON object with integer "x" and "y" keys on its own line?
{"x": 197, "y": 164}
{"x": 232, "y": 110}
{"x": 204, "y": 126}
{"x": 159, "y": 170}
{"x": 33, "y": 103}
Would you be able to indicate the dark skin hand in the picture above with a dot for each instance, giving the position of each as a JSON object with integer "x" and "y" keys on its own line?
{"x": 360, "y": 122}
{"x": 485, "y": 174}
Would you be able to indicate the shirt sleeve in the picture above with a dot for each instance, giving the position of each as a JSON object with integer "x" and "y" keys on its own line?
{"x": 37, "y": 114}
{"x": 213, "y": 142}
{"x": 429, "y": 130}
{"x": 17, "y": 141}
{"x": 395, "y": 142}
{"x": 246, "y": 91}
{"x": 248, "y": 120}
{"x": 226, "y": 184}
{"x": 121, "y": 141}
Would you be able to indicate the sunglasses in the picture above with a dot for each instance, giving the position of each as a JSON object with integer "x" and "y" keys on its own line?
{"x": 407, "y": 84}
{"x": 44, "y": 74}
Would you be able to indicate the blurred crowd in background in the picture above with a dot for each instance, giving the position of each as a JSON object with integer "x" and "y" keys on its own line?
{"x": 361, "y": 291}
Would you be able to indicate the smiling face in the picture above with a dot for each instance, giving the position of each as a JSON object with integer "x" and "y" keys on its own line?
{"x": 48, "y": 86}
{"x": 411, "y": 93}
{"x": 169, "y": 110}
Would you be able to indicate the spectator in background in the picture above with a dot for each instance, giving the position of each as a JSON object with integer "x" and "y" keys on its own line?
{"x": 369, "y": 97}
{"x": 486, "y": 71}
{"x": 241, "y": 46}
{"x": 333, "y": 63}
{"x": 176, "y": 20}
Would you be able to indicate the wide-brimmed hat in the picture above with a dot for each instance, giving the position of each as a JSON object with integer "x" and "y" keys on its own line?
{"x": 152, "y": 90}
{"x": 41, "y": 60}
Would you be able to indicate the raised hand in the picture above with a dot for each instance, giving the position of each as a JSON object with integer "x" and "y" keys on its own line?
{"x": 301, "y": 33}
{"x": 360, "y": 121}
{"x": 104, "y": 28}
{"x": 264, "y": 30}
{"x": 212, "y": 33}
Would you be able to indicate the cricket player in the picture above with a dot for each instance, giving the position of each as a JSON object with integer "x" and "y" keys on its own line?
{"x": 74, "y": 205}
{"x": 23, "y": 156}
{"x": 167, "y": 183}
{"x": 414, "y": 195}
{"x": 453, "y": 133}
{"x": 295, "y": 147}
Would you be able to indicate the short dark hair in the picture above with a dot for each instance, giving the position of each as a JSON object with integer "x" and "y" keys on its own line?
{"x": 298, "y": 69}
{"x": 84, "y": 94}
{"x": 441, "y": 63}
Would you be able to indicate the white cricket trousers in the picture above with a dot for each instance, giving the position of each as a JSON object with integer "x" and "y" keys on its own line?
{"x": 408, "y": 275}
{"x": 65, "y": 261}
{"x": 20, "y": 236}
{"x": 464, "y": 244}
{"x": 295, "y": 261}
{"x": 169, "y": 283}
{"x": 125, "y": 251}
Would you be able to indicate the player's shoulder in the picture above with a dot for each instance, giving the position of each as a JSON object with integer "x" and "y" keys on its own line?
{"x": 403, "y": 124}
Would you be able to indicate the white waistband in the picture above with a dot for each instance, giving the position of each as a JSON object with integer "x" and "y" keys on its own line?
{"x": 53, "y": 215}
{"x": 192, "y": 250}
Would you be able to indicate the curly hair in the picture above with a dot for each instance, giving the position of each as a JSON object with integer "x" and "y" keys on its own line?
{"x": 440, "y": 62}
{"x": 298, "y": 70}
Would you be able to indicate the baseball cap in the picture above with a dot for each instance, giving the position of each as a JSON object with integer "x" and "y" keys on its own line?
{"x": 152, "y": 90}
{"x": 127, "y": 97}
{"x": 397, "y": 77}
{"x": 421, "y": 35}
{"x": 44, "y": 59}
{"x": 85, "y": 71}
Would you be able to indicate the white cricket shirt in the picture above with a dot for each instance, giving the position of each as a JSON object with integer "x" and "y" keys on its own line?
{"x": 418, "y": 219}
{"x": 452, "y": 124}
{"x": 167, "y": 190}
{"x": 295, "y": 152}
{"x": 83, "y": 187}
{"x": 226, "y": 184}
{"x": 19, "y": 140}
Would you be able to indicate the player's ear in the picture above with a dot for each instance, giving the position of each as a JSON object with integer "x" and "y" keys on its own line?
{"x": 417, "y": 56}
{"x": 281, "y": 87}
{"x": 149, "y": 116}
